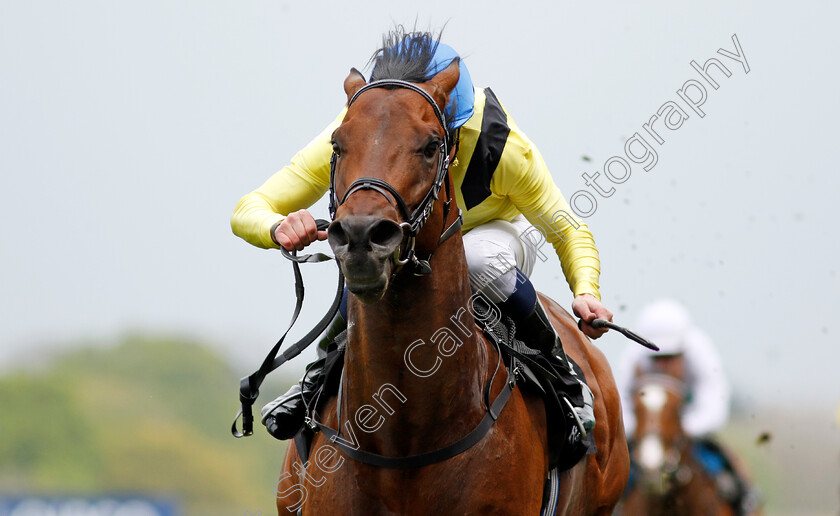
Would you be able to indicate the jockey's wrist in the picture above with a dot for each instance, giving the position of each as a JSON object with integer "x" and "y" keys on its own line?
{"x": 586, "y": 285}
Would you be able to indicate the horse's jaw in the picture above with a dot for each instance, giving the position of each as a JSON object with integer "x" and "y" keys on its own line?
{"x": 368, "y": 277}
{"x": 370, "y": 292}
{"x": 364, "y": 246}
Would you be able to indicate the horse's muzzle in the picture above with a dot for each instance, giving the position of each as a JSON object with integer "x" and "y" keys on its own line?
{"x": 364, "y": 247}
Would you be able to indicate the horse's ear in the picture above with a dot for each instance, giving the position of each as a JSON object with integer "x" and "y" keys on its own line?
{"x": 353, "y": 82}
{"x": 444, "y": 82}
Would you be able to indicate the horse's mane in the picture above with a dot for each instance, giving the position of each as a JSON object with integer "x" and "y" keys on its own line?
{"x": 406, "y": 55}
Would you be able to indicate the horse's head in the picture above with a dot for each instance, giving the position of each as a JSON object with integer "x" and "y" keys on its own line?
{"x": 390, "y": 159}
{"x": 659, "y": 439}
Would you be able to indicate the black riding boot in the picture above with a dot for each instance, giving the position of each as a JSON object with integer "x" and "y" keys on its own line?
{"x": 284, "y": 416}
{"x": 536, "y": 331}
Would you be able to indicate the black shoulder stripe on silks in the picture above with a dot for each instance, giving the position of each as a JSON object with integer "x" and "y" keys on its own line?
{"x": 488, "y": 152}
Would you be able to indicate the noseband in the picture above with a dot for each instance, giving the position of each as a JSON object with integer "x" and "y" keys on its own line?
{"x": 413, "y": 221}
{"x": 673, "y": 471}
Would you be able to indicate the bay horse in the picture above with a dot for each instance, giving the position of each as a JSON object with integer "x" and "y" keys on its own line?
{"x": 417, "y": 365}
{"x": 668, "y": 479}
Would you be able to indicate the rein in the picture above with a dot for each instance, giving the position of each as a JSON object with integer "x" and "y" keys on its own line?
{"x": 249, "y": 386}
{"x": 414, "y": 221}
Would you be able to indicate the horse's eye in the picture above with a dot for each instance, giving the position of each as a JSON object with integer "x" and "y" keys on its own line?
{"x": 336, "y": 148}
{"x": 431, "y": 149}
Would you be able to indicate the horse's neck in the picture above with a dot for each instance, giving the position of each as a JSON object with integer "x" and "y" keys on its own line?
{"x": 397, "y": 361}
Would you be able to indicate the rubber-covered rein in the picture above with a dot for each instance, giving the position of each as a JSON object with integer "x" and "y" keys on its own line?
{"x": 249, "y": 386}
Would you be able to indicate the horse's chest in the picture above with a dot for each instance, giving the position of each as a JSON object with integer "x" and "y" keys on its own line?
{"x": 359, "y": 489}
{"x": 459, "y": 486}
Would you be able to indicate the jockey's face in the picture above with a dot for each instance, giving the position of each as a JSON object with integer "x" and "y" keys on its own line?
{"x": 672, "y": 365}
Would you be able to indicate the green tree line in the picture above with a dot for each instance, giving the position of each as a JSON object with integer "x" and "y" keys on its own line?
{"x": 146, "y": 416}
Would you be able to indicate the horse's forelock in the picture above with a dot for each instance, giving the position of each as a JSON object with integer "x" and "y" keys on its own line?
{"x": 407, "y": 56}
{"x": 404, "y": 55}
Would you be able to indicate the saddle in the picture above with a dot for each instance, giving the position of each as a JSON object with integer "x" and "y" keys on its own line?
{"x": 532, "y": 370}
{"x": 545, "y": 374}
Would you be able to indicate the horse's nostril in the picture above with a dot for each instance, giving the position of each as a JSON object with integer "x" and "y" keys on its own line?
{"x": 386, "y": 233}
{"x": 337, "y": 235}
{"x": 366, "y": 234}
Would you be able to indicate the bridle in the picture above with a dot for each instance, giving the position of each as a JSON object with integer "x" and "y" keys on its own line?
{"x": 404, "y": 255}
{"x": 413, "y": 221}
{"x": 673, "y": 471}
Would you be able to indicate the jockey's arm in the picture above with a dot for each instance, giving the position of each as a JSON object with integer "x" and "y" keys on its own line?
{"x": 274, "y": 213}
{"x": 531, "y": 188}
{"x": 708, "y": 409}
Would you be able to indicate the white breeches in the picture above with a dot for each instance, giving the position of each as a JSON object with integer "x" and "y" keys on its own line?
{"x": 493, "y": 251}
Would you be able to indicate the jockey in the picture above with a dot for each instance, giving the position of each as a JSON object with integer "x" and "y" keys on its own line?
{"x": 503, "y": 187}
{"x": 668, "y": 324}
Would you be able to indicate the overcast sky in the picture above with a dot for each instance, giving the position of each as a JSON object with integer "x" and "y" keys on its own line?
{"x": 128, "y": 131}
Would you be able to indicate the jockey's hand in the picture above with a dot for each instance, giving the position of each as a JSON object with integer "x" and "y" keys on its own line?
{"x": 588, "y": 308}
{"x": 298, "y": 231}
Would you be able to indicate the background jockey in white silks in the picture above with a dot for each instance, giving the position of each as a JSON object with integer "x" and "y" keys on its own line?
{"x": 668, "y": 324}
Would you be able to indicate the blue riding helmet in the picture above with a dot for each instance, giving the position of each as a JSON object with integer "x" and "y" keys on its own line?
{"x": 462, "y": 99}
{"x": 463, "y": 96}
